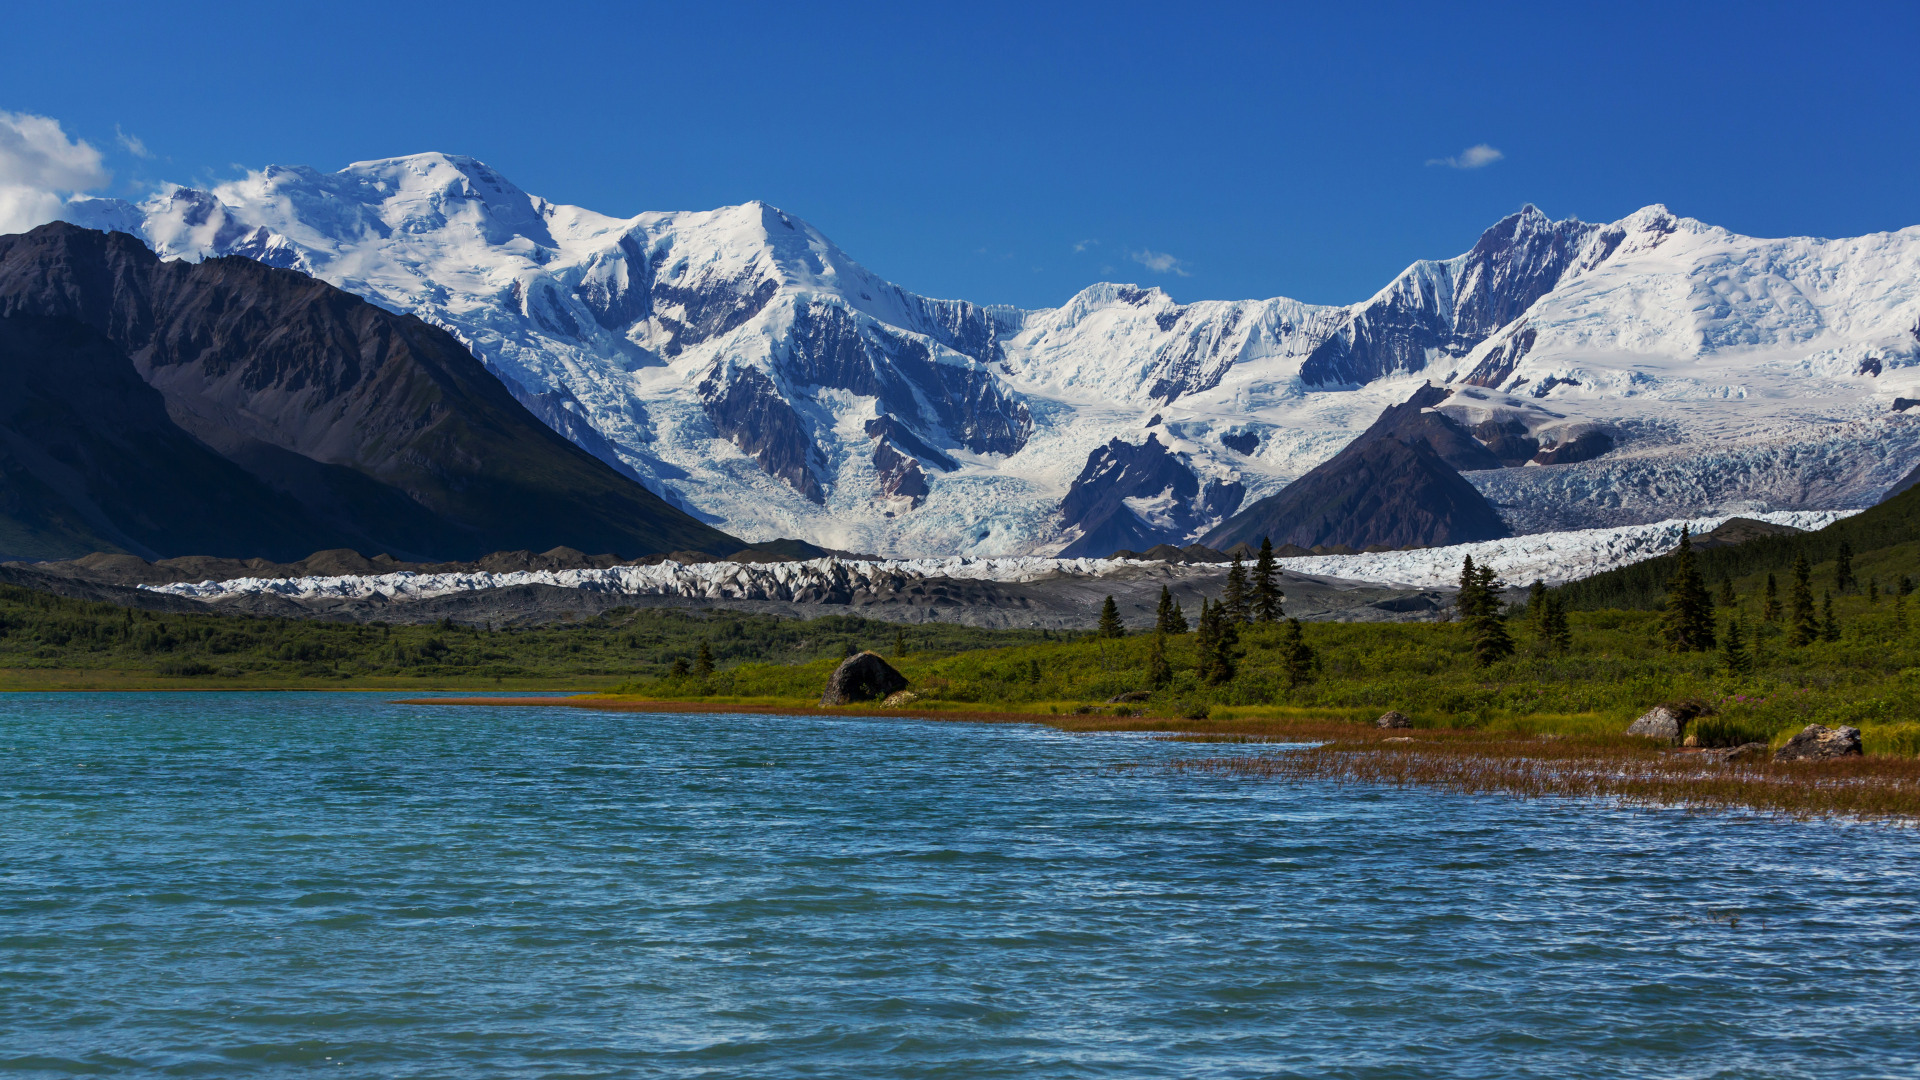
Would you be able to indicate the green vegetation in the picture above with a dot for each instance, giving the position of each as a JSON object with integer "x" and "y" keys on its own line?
{"x": 1584, "y": 673}
{"x": 1859, "y": 538}
{"x": 49, "y": 642}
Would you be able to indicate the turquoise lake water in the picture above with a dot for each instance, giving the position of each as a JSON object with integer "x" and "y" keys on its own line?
{"x": 241, "y": 885}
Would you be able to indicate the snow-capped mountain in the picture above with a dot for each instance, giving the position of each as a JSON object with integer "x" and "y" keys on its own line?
{"x": 739, "y": 363}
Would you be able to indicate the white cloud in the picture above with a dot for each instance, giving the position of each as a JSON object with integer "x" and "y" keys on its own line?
{"x": 1477, "y": 156}
{"x": 37, "y": 164}
{"x": 132, "y": 144}
{"x": 1084, "y": 245}
{"x": 1159, "y": 262}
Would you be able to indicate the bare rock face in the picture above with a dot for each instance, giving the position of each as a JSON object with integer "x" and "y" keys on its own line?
{"x": 862, "y": 677}
{"x": 1817, "y": 742}
{"x": 1394, "y": 718}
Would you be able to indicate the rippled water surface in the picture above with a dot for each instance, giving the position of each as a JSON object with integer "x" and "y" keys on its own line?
{"x": 241, "y": 885}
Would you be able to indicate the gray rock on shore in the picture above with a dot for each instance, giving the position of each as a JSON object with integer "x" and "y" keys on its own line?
{"x": 1658, "y": 722}
{"x": 862, "y": 677}
{"x": 1393, "y": 718}
{"x": 1816, "y": 742}
{"x": 1667, "y": 720}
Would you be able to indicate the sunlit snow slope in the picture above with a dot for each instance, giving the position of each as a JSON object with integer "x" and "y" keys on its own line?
{"x": 739, "y": 363}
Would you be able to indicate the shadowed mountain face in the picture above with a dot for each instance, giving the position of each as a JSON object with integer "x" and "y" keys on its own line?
{"x": 230, "y": 408}
{"x": 1139, "y": 496}
{"x": 1396, "y": 486}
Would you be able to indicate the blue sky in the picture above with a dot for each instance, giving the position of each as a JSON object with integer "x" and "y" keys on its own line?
{"x": 1013, "y": 153}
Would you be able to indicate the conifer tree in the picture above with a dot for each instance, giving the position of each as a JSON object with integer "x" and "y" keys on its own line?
{"x": 1802, "y": 627}
{"x": 678, "y": 669}
{"x": 1267, "y": 596}
{"x": 1829, "y": 626}
{"x": 1687, "y": 625}
{"x": 1770, "y": 610}
{"x": 899, "y": 644}
{"x": 1296, "y": 656}
{"x": 1559, "y": 633}
{"x": 1238, "y": 599}
{"x": 1177, "y": 624}
{"x": 1159, "y": 672}
{"x": 1203, "y": 639}
{"x": 1033, "y": 671}
{"x": 1223, "y": 659}
{"x": 1163, "y": 615}
{"x": 1468, "y": 601}
{"x": 1873, "y": 590}
{"x": 1726, "y": 592}
{"x": 1733, "y": 649}
{"x": 1906, "y": 585}
{"x": 703, "y": 661}
{"x": 1843, "y": 567}
{"x": 1537, "y": 608}
{"x": 1479, "y": 603}
{"x": 1110, "y": 626}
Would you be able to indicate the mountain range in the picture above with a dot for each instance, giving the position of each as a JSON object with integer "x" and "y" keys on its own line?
{"x": 226, "y": 407}
{"x": 741, "y": 366}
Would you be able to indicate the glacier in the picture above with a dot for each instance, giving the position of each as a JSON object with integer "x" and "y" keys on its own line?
{"x": 1554, "y": 558}
{"x": 740, "y": 364}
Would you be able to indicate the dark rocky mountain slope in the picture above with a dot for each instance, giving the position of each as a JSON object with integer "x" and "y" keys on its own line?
{"x": 230, "y": 408}
{"x": 1396, "y": 486}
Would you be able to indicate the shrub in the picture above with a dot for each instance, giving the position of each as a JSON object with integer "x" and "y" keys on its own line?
{"x": 1729, "y": 731}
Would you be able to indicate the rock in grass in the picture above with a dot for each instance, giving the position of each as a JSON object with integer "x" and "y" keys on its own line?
{"x": 903, "y": 697}
{"x": 862, "y": 677}
{"x": 1666, "y": 721}
{"x": 1817, "y": 742}
{"x": 1393, "y": 718}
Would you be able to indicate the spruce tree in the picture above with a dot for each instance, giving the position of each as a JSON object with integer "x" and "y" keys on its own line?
{"x": 1770, "y": 610}
{"x": 678, "y": 669}
{"x": 899, "y": 644}
{"x": 1537, "y": 608}
{"x": 1110, "y": 626}
{"x": 1733, "y": 650}
{"x": 1687, "y": 625}
{"x": 1178, "y": 623}
{"x": 1559, "y": 633}
{"x": 1203, "y": 639}
{"x": 1296, "y": 656}
{"x": 1467, "y": 602}
{"x": 1802, "y": 626}
{"x": 703, "y": 661}
{"x": 1829, "y": 626}
{"x": 1159, "y": 672}
{"x": 1267, "y": 596}
{"x": 1873, "y": 590}
{"x": 1843, "y": 567}
{"x": 1479, "y": 603}
{"x": 1238, "y": 599}
{"x": 1163, "y": 615}
{"x": 1224, "y": 653}
{"x": 1906, "y": 585}
{"x": 1726, "y": 592}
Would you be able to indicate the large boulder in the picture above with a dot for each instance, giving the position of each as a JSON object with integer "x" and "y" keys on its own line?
{"x": 1817, "y": 742}
{"x": 862, "y": 677}
{"x": 1393, "y": 718}
{"x": 1667, "y": 720}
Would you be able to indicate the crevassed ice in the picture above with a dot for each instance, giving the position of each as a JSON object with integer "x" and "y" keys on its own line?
{"x": 1552, "y": 557}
